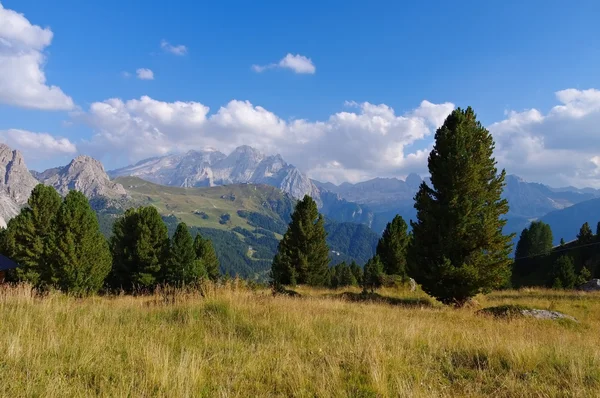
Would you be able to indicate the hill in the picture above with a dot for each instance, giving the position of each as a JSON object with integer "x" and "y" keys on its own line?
{"x": 244, "y": 221}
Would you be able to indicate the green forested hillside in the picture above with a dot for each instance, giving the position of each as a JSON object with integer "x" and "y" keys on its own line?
{"x": 244, "y": 221}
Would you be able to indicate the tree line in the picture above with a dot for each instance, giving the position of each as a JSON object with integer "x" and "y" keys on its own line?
{"x": 58, "y": 243}
{"x": 539, "y": 263}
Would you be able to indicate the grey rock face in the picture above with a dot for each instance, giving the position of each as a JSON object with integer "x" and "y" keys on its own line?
{"x": 590, "y": 286}
{"x": 86, "y": 175}
{"x": 209, "y": 168}
{"x": 15, "y": 178}
{"x": 16, "y": 183}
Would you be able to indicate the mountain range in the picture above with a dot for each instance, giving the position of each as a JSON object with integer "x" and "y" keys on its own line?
{"x": 372, "y": 203}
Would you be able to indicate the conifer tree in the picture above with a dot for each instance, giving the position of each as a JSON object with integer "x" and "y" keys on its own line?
{"x": 534, "y": 245}
{"x": 562, "y": 241}
{"x": 81, "y": 257}
{"x": 302, "y": 256}
{"x": 357, "y": 272}
{"x": 584, "y": 276}
{"x": 182, "y": 267}
{"x": 585, "y": 234}
{"x": 391, "y": 248}
{"x": 27, "y": 236}
{"x": 563, "y": 273}
{"x": 205, "y": 252}
{"x": 140, "y": 248}
{"x": 598, "y": 230}
{"x": 458, "y": 249}
{"x": 373, "y": 275}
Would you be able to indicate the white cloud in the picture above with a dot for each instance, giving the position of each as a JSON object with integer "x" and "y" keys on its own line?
{"x": 22, "y": 80}
{"x": 177, "y": 50}
{"x": 144, "y": 74}
{"x": 560, "y": 147}
{"x": 371, "y": 141}
{"x": 125, "y": 74}
{"x": 298, "y": 63}
{"x": 37, "y": 145}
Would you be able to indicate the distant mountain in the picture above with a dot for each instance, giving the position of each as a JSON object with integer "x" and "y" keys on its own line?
{"x": 566, "y": 223}
{"x": 83, "y": 174}
{"x": 16, "y": 183}
{"x": 212, "y": 168}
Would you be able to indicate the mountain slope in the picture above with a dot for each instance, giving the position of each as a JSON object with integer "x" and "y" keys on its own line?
{"x": 245, "y": 222}
{"x": 566, "y": 223}
{"x": 16, "y": 183}
{"x": 83, "y": 174}
{"x": 212, "y": 168}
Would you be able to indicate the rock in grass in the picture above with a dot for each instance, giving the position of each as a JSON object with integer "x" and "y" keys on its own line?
{"x": 518, "y": 311}
{"x": 590, "y": 286}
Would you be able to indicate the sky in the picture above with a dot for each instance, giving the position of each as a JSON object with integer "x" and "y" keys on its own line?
{"x": 344, "y": 90}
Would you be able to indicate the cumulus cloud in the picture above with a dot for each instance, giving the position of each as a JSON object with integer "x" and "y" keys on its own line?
{"x": 177, "y": 50}
{"x": 367, "y": 141}
{"x": 37, "y": 145}
{"x": 560, "y": 147}
{"x": 297, "y": 63}
{"x": 144, "y": 74}
{"x": 22, "y": 79}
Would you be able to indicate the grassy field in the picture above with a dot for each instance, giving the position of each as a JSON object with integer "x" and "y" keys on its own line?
{"x": 213, "y": 201}
{"x": 239, "y": 342}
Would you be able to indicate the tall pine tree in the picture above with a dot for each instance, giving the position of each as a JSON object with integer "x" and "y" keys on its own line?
{"x": 533, "y": 247}
{"x": 391, "y": 248}
{"x": 27, "y": 236}
{"x": 458, "y": 248}
{"x": 140, "y": 247}
{"x": 81, "y": 258}
{"x": 182, "y": 267}
{"x": 205, "y": 252}
{"x": 303, "y": 255}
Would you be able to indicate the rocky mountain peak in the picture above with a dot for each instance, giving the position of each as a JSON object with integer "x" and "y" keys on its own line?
{"x": 87, "y": 175}
{"x": 413, "y": 180}
{"x": 15, "y": 179}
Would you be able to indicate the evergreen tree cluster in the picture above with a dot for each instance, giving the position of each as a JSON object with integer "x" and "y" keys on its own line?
{"x": 456, "y": 249}
{"x": 58, "y": 243}
{"x": 539, "y": 263}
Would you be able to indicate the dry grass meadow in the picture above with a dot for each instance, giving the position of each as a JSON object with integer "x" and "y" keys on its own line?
{"x": 238, "y": 342}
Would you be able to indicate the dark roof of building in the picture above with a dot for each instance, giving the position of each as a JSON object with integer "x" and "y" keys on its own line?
{"x": 7, "y": 263}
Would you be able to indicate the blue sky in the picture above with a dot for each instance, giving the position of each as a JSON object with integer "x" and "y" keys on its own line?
{"x": 494, "y": 56}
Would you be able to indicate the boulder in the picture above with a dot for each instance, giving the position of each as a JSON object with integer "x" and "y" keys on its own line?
{"x": 591, "y": 286}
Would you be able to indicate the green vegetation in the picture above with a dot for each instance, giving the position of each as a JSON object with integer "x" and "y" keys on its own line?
{"x": 205, "y": 252}
{"x": 302, "y": 256}
{"x": 458, "y": 249}
{"x": 392, "y": 246}
{"x": 27, "y": 237}
{"x": 183, "y": 267}
{"x": 140, "y": 247}
{"x": 373, "y": 274}
{"x": 80, "y": 257}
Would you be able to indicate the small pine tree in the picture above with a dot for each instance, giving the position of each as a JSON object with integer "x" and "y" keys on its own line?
{"x": 562, "y": 241}
{"x": 182, "y": 267}
{"x": 598, "y": 230}
{"x": 373, "y": 275}
{"x": 458, "y": 249}
{"x": 584, "y": 276}
{"x": 28, "y": 235}
{"x": 391, "y": 248}
{"x": 585, "y": 234}
{"x": 81, "y": 257}
{"x": 341, "y": 276}
{"x": 140, "y": 247}
{"x": 205, "y": 252}
{"x": 357, "y": 271}
{"x": 302, "y": 255}
{"x": 563, "y": 273}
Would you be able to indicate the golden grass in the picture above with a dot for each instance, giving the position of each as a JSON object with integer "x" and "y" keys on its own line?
{"x": 236, "y": 342}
